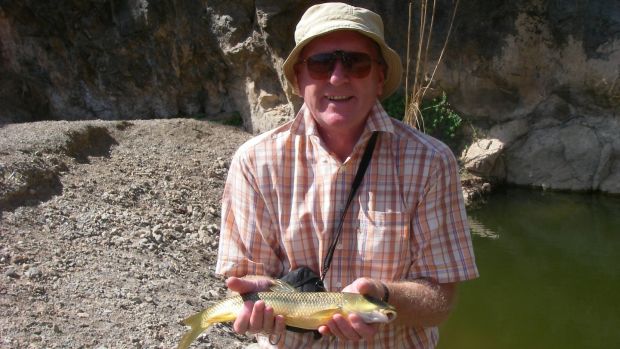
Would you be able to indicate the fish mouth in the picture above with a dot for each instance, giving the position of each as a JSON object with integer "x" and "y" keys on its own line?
{"x": 378, "y": 316}
{"x": 391, "y": 315}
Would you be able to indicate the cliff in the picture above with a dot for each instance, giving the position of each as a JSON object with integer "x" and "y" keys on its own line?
{"x": 537, "y": 81}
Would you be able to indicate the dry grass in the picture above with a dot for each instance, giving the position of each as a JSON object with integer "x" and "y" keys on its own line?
{"x": 422, "y": 78}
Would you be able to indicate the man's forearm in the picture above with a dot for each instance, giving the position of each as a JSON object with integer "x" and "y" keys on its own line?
{"x": 422, "y": 303}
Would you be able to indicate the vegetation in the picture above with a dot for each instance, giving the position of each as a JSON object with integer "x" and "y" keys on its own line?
{"x": 394, "y": 105}
{"x": 438, "y": 119}
{"x": 234, "y": 120}
{"x": 415, "y": 94}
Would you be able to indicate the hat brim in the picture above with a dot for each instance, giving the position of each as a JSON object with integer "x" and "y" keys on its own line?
{"x": 392, "y": 60}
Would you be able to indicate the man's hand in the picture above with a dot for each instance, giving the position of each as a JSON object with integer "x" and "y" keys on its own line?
{"x": 255, "y": 317}
{"x": 353, "y": 327}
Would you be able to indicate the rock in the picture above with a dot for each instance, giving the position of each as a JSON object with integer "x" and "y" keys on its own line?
{"x": 33, "y": 273}
{"x": 481, "y": 158}
{"x": 11, "y": 272}
{"x": 571, "y": 156}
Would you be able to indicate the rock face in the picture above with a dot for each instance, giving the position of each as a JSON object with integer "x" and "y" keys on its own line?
{"x": 530, "y": 74}
{"x": 547, "y": 90}
{"x": 136, "y": 59}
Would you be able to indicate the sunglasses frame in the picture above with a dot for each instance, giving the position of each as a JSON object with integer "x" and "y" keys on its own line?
{"x": 348, "y": 59}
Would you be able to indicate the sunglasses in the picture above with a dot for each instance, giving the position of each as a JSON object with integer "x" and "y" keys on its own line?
{"x": 356, "y": 64}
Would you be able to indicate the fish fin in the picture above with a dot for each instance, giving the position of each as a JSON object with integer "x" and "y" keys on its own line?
{"x": 281, "y": 286}
{"x": 195, "y": 321}
{"x": 325, "y": 314}
{"x": 314, "y": 320}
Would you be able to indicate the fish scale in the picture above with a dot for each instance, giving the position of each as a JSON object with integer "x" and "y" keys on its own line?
{"x": 300, "y": 304}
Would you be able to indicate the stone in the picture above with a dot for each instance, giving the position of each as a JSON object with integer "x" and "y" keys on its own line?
{"x": 33, "y": 273}
{"x": 11, "y": 272}
{"x": 571, "y": 156}
{"x": 481, "y": 157}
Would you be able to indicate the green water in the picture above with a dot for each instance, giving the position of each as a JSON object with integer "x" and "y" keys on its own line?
{"x": 550, "y": 274}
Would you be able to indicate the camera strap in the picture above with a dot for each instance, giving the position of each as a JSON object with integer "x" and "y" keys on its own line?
{"x": 361, "y": 170}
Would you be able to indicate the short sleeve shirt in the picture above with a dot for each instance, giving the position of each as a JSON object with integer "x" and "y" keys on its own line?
{"x": 285, "y": 193}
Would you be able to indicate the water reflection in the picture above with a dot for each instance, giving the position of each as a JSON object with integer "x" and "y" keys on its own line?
{"x": 480, "y": 230}
{"x": 550, "y": 274}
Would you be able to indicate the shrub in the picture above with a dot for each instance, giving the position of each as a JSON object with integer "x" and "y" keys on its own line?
{"x": 440, "y": 120}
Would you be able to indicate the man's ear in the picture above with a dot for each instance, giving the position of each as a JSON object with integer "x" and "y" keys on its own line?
{"x": 381, "y": 81}
{"x": 295, "y": 81}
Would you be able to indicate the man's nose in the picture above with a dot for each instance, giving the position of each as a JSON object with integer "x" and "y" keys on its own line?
{"x": 339, "y": 75}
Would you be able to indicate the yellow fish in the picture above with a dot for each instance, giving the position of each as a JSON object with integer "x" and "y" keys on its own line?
{"x": 307, "y": 310}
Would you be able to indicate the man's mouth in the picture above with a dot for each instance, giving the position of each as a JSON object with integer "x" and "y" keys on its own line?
{"x": 339, "y": 98}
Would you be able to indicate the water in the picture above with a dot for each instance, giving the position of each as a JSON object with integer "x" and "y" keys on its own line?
{"x": 550, "y": 274}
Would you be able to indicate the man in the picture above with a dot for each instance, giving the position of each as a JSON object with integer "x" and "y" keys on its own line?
{"x": 405, "y": 234}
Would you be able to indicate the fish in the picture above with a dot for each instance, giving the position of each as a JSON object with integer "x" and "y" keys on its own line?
{"x": 307, "y": 310}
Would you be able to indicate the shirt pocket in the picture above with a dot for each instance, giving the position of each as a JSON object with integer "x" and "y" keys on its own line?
{"x": 383, "y": 244}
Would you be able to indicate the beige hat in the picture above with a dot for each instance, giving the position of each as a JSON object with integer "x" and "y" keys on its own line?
{"x": 333, "y": 16}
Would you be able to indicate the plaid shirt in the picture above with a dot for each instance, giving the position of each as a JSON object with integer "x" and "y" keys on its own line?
{"x": 284, "y": 195}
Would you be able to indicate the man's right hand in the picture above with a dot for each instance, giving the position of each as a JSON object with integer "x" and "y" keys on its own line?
{"x": 255, "y": 317}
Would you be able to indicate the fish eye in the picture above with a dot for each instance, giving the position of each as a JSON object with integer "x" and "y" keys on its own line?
{"x": 373, "y": 300}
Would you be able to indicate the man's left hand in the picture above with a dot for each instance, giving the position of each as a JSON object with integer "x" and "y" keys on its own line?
{"x": 353, "y": 327}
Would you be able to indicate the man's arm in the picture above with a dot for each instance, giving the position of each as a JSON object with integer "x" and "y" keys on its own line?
{"x": 419, "y": 303}
{"x": 423, "y": 303}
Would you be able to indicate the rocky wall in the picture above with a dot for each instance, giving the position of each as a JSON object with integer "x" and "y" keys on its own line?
{"x": 540, "y": 78}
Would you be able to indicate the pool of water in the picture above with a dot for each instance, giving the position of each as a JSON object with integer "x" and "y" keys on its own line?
{"x": 550, "y": 274}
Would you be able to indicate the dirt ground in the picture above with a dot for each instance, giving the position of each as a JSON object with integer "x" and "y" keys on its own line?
{"x": 109, "y": 232}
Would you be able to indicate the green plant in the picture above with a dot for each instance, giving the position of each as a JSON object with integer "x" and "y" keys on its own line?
{"x": 234, "y": 120}
{"x": 394, "y": 105}
{"x": 440, "y": 120}
{"x": 198, "y": 116}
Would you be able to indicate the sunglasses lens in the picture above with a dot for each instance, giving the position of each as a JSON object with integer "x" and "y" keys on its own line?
{"x": 321, "y": 65}
{"x": 356, "y": 64}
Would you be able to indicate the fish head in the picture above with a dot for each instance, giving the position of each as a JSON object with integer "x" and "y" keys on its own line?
{"x": 370, "y": 309}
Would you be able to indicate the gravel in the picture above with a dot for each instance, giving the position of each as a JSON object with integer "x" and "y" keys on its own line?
{"x": 109, "y": 232}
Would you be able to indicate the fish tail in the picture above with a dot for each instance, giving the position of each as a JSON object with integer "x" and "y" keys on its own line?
{"x": 196, "y": 322}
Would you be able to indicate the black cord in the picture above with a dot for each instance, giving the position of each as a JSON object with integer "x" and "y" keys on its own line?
{"x": 361, "y": 170}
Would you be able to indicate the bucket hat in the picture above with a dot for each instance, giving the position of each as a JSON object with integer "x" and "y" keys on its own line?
{"x": 334, "y": 16}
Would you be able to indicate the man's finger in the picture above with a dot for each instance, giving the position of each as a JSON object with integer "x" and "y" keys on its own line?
{"x": 325, "y": 331}
{"x": 256, "y": 319}
{"x": 280, "y": 325}
{"x": 362, "y": 329}
{"x": 243, "y": 285}
{"x": 243, "y": 318}
{"x": 268, "y": 320}
{"x": 340, "y": 327}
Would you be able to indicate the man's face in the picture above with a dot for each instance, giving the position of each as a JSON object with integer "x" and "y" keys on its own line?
{"x": 340, "y": 102}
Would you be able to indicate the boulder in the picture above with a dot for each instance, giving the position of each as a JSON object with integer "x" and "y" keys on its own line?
{"x": 481, "y": 158}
